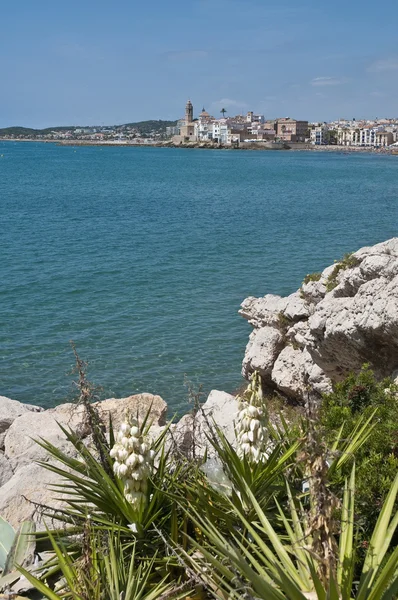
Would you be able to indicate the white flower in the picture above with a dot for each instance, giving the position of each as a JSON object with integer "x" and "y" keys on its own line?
{"x": 133, "y": 461}
{"x": 251, "y": 431}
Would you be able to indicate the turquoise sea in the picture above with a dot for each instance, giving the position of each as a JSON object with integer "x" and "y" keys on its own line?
{"x": 143, "y": 255}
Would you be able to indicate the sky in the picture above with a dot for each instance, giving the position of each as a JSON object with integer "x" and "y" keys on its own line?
{"x": 86, "y": 62}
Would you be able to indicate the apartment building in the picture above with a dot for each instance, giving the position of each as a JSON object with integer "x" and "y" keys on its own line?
{"x": 291, "y": 130}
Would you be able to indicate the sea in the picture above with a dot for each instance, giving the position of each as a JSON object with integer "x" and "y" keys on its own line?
{"x": 142, "y": 257}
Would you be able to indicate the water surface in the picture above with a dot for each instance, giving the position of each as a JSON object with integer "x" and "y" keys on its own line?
{"x": 143, "y": 255}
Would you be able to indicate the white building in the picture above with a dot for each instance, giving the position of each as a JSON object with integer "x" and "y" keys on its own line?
{"x": 319, "y": 134}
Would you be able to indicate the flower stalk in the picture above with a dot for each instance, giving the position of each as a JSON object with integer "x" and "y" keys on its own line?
{"x": 250, "y": 429}
{"x": 133, "y": 461}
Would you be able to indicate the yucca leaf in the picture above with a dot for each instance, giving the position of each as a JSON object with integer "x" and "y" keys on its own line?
{"x": 345, "y": 567}
{"x": 22, "y": 548}
{"x": 358, "y": 436}
{"x": 386, "y": 584}
{"x": 7, "y": 535}
{"x": 39, "y": 585}
{"x": 382, "y": 533}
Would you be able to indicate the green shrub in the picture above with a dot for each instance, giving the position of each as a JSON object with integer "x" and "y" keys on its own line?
{"x": 312, "y": 277}
{"x": 348, "y": 261}
{"x": 377, "y": 460}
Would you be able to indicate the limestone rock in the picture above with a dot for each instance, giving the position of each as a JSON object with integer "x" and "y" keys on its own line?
{"x": 23, "y": 483}
{"x": 294, "y": 371}
{"x": 330, "y": 327}
{"x": 219, "y": 409}
{"x": 261, "y": 351}
{"x": 138, "y": 403}
{"x": 9, "y": 411}
{"x": 22, "y": 493}
{"x": 21, "y": 449}
{"x": 6, "y": 471}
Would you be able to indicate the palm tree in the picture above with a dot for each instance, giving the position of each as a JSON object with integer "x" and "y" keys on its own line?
{"x": 223, "y": 111}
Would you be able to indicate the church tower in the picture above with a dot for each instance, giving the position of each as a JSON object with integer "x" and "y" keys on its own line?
{"x": 188, "y": 112}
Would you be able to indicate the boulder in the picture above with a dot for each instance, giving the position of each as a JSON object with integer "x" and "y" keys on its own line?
{"x": 9, "y": 411}
{"x": 330, "y": 327}
{"x": 190, "y": 433}
{"x": 24, "y": 491}
{"x": 21, "y": 449}
{"x": 23, "y": 482}
{"x": 294, "y": 374}
{"x": 263, "y": 348}
{"x": 6, "y": 471}
{"x": 139, "y": 404}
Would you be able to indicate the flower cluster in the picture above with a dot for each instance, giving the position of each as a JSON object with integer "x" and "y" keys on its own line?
{"x": 250, "y": 429}
{"x": 133, "y": 461}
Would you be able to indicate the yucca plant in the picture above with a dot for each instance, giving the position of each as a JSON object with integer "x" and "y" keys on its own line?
{"x": 303, "y": 550}
{"x": 89, "y": 491}
{"x": 108, "y": 570}
{"x": 276, "y": 567}
{"x": 265, "y": 478}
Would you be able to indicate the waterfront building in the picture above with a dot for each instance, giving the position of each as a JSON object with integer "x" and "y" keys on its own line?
{"x": 384, "y": 138}
{"x": 319, "y": 134}
{"x": 291, "y": 130}
{"x": 187, "y": 128}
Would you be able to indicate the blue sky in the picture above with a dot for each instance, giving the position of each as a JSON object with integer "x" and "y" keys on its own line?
{"x": 96, "y": 62}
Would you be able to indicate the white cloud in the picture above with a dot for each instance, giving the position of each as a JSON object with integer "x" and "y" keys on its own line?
{"x": 388, "y": 64}
{"x": 228, "y": 103}
{"x": 320, "y": 81}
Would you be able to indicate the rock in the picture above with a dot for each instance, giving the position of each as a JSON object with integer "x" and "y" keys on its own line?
{"x": 329, "y": 327}
{"x": 294, "y": 373}
{"x": 23, "y": 482}
{"x": 9, "y": 411}
{"x": 263, "y": 312}
{"x": 21, "y": 449}
{"x": 22, "y": 493}
{"x": 6, "y": 471}
{"x": 263, "y": 348}
{"x": 139, "y": 403}
{"x": 219, "y": 409}
{"x": 346, "y": 332}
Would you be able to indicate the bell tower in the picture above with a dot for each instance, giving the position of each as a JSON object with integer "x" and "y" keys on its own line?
{"x": 188, "y": 112}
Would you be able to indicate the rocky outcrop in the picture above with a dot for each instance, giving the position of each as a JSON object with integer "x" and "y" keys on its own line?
{"x": 9, "y": 411}
{"x": 346, "y": 316}
{"x": 191, "y": 432}
{"x": 24, "y": 484}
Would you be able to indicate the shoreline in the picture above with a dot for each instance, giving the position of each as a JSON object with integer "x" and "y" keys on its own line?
{"x": 295, "y": 147}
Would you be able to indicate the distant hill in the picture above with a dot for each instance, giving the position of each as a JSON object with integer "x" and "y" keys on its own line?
{"x": 29, "y": 131}
{"x": 144, "y": 127}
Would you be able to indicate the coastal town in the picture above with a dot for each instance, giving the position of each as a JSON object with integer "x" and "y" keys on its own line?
{"x": 239, "y": 131}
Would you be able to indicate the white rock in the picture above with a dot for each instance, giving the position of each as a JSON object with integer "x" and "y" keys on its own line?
{"x": 20, "y": 448}
{"x": 11, "y": 409}
{"x": 294, "y": 374}
{"x": 263, "y": 348}
{"x": 22, "y": 492}
{"x": 6, "y": 471}
{"x": 191, "y": 432}
{"x": 331, "y": 333}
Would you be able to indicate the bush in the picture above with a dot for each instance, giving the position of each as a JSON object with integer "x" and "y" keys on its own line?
{"x": 312, "y": 277}
{"x": 349, "y": 261}
{"x": 358, "y": 396}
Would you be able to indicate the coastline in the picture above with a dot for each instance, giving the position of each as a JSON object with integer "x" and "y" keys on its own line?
{"x": 291, "y": 146}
